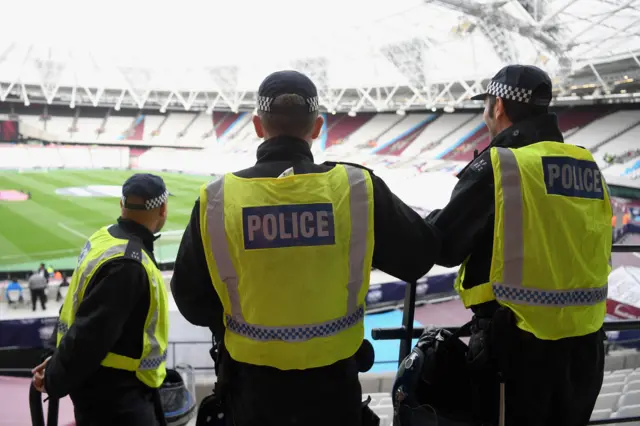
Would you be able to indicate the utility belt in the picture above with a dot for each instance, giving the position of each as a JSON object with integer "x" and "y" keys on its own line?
{"x": 214, "y": 411}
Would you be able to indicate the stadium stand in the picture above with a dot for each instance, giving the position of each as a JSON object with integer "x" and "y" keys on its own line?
{"x": 604, "y": 129}
{"x": 341, "y": 126}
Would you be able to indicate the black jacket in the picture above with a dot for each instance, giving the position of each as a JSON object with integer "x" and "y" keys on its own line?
{"x": 405, "y": 246}
{"x": 110, "y": 318}
{"x": 466, "y": 222}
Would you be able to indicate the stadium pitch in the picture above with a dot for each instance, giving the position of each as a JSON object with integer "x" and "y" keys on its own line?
{"x": 66, "y": 206}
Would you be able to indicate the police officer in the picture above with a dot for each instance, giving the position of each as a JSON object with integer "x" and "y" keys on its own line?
{"x": 113, "y": 327}
{"x": 529, "y": 221}
{"x": 277, "y": 257}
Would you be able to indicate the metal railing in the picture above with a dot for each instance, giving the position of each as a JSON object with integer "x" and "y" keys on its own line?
{"x": 407, "y": 332}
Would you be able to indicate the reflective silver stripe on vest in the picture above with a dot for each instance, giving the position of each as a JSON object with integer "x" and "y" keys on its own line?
{"x": 155, "y": 357}
{"x": 89, "y": 268}
{"x": 511, "y": 289}
{"x": 359, "y": 211}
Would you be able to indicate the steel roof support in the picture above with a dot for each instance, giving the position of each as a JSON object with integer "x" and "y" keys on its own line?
{"x": 552, "y": 15}
{"x": 50, "y": 74}
{"x": 213, "y": 103}
{"x": 491, "y": 13}
{"x": 594, "y": 24}
{"x": 225, "y": 80}
{"x": 137, "y": 81}
{"x": 604, "y": 85}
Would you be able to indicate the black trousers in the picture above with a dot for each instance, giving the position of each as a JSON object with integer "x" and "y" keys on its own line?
{"x": 126, "y": 407}
{"x": 36, "y": 295}
{"x": 262, "y": 396}
{"x": 547, "y": 383}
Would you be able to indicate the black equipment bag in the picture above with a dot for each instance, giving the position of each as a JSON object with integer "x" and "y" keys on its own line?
{"x": 433, "y": 385}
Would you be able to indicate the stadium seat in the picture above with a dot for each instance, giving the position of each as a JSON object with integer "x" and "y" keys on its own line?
{"x": 601, "y": 414}
{"x": 607, "y": 401}
{"x": 628, "y": 411}
{"x": 612, "y": 388}
{"x": 15, "y": 297}
{"x": 632, "y": 386}
{"x": 631, "y": 398}
{"x": 615, "y": 378}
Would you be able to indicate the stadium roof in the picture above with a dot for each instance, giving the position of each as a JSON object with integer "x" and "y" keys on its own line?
{"x": 363, "y": 54}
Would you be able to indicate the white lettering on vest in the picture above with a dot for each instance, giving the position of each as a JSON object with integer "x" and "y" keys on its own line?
{"x": 269, "y": 227}
{"x": 554, "y": 173}
{"x": 306, "y": 231}
{"x": 572, "y": 177}
{"x": 322, "y": 222}
{"x": 288, "y": 226}
{"x": 253, "y": 226}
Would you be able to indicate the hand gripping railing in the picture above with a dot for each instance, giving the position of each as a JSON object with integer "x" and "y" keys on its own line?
{"x": 406, "y": 333}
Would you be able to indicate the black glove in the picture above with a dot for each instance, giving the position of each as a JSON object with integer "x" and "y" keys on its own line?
{"x": 211, "y": 412}
{"x": 369, "y": 418}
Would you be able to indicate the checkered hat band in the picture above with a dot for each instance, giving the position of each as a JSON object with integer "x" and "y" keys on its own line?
{"x": 299, "y": 333}
{"x": 265, "y": 103}
{"x": 505, "y": 91}
{"x": 156, "y": 202}
{"x": 530, "y": 296}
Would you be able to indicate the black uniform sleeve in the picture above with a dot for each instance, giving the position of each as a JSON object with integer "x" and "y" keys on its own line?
{"x": 406, "y": 246}
{"x": 468, "y": 212}
{"x": 191, "y": 285}
{"x": 108, "y": 302}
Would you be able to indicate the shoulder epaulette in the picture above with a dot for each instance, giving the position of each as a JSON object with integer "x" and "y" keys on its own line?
{"x": 344, "y": 163}
{"x": 134, "y": 250}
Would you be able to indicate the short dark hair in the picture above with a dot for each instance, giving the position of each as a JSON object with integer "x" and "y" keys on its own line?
{"x": 297, "y": 124}
{"x": 517, "y": 111}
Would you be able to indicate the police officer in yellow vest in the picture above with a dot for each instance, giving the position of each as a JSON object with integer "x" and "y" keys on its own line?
{"x": 276, "y": 261}
{"x": 529, "y": 221}
{"x": 113, "y": 327}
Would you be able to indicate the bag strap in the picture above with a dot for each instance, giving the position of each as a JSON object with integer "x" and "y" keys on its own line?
{"x": 464, "y": 329}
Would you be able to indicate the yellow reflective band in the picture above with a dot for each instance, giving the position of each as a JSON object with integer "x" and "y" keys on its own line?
{"x": 359, "y": 211}
{"x": 476, "y": 295}
{"x": 120, "y": 362}
{"x": 511, "y": 288}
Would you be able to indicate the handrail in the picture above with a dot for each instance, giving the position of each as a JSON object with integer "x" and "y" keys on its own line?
{"x": 406, "y": 333}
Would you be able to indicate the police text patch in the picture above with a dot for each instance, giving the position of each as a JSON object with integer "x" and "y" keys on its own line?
{"x": 291, "y": 225}
{"x": 572, "y": 178}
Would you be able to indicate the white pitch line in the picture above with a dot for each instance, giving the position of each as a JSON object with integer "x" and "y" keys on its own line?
{"x": 39, "y": 253}
{"x": 73, "y": 231}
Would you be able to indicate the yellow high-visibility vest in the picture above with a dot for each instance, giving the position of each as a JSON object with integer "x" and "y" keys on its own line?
{"x": 290, "y": 259}
{"x": 99, "y": 249}
{"x": 552, "y": 240}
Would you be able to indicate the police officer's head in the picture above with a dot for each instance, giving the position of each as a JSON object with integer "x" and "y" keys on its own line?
{"x": 288, "y": 106}
{"x": 144, "y": 200}
{"x": 515, "y": 93}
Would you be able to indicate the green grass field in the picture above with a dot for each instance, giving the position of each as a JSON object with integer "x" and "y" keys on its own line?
{"x": 52, "y": 228}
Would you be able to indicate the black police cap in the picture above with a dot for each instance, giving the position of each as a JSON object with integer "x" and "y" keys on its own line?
{"x": 147, "y": 187}
{"x": 287, "y": 83}
{"x": 521, "y": 83}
